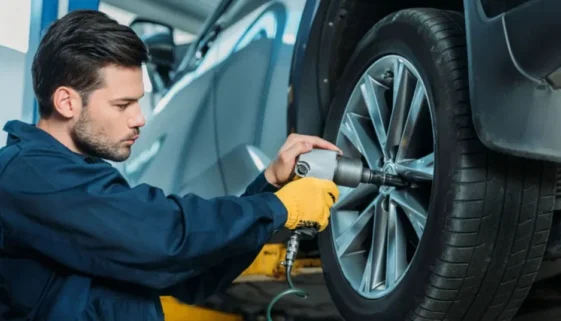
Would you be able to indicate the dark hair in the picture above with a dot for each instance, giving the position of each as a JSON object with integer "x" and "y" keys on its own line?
{"x": 75, "y": 48}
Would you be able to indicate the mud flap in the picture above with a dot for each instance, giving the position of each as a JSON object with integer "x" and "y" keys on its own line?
{"x": 514, "y": 102}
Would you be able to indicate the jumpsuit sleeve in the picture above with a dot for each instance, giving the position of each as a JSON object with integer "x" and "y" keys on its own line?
{"x": 217, "y": 278}
{"x": 88, "y": 218}
{"x": 259, "y": 185}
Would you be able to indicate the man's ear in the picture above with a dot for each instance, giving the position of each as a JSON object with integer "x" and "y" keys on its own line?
{"x": 67, "y": 102}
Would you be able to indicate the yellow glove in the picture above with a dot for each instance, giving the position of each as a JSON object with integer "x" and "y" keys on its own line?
{"x": 308, "y": 201}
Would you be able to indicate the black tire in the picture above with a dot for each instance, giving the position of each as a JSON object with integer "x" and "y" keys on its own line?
{"x": 489, "y": 214}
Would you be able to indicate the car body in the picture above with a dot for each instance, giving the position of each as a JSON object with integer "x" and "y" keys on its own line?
{"x": 231, "y": 146}
{"x": 261, "y": 69}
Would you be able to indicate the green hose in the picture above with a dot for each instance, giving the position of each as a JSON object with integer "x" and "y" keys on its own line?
{"x": 292, "y": 290}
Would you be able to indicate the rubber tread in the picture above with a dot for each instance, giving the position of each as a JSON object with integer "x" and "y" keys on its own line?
{"x": 498, "y": 227}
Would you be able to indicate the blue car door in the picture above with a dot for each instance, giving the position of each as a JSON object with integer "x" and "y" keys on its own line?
{"x": 176, "y": 149}
{"x": 251, "y": 85}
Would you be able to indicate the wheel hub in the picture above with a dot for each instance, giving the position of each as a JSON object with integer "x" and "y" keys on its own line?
{"x": 389, "y": 168}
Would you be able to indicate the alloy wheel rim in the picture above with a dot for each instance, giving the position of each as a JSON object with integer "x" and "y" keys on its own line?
{"x": 387, "y": 123}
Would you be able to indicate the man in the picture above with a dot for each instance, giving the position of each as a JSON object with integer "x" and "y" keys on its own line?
{"x": 76, "y": 241}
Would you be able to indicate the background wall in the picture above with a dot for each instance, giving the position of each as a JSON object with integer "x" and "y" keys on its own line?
{"x": 14, "y": 41}
{"x": 11, "y": 86}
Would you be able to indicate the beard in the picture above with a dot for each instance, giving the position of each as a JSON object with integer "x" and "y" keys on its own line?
{"x": 92, "y": 141}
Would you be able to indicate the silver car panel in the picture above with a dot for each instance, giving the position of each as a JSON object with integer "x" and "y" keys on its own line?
{"x": 220, "y": 125}
{"x": 252, "y": 89}
{"x": 175, "y": 150}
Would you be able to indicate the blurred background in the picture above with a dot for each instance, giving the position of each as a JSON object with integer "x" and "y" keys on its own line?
{"x": 23, "y": 21}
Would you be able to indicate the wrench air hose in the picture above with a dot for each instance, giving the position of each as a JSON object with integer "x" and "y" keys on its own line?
{"x": 291, "y": 251}
{"x": 291, "y": 290}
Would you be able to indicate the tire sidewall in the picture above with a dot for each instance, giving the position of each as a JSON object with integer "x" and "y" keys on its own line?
{"x": 401, "y": 37}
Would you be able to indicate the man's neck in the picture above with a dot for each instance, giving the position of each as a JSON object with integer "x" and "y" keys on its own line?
{"x": 58, "y": 132}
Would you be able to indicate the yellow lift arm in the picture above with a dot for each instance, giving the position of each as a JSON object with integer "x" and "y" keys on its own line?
{"x": 266, "y": 267}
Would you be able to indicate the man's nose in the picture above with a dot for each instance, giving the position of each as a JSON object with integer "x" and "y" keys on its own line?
{"x": 137, "y": 120}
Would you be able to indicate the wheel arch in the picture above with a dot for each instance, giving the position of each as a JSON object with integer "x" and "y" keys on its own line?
{"x": 330, "y": 31}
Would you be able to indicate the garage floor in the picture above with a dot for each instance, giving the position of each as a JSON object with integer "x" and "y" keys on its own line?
{"x": 543, "y": 302}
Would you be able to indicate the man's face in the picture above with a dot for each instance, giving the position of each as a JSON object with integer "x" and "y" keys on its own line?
{"x": 110, "y": 122}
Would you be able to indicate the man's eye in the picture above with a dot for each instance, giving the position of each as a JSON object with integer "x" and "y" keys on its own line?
{"x": 123, "y": 106}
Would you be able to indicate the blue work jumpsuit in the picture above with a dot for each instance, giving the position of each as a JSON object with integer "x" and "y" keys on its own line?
{"x": 78, "y": 243}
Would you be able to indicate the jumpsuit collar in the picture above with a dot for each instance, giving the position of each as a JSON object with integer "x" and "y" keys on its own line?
{"x": 18, "y": 130}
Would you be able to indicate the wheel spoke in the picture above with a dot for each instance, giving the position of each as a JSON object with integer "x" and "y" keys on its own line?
{"x": 355, "y": 128}
{"x": 374, "y": 272}
{"x": 349, "y": 197}
{"x": 413, "y": 119}
{"x": 377, "y": 108}
{"x": 396, "y": 261}
{"x": 350, "y": 133}
{"x": 342, "y": 220}
{"x": 366, "y": 283}
{"x": 414, "y": 210}
{"x": 419, "y": 169}
{"x": 344, "y": 192}
{"x": 353, "y": 236}
{"x": 403, "y": 89}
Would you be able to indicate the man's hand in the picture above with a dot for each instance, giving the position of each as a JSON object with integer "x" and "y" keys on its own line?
{"x": 308, "y": 202}
{"x": 279, "y": 171}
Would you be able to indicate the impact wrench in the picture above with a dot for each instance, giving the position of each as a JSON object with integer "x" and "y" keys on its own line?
{"x": 343, "y": 171}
